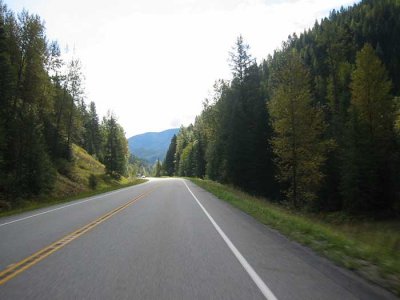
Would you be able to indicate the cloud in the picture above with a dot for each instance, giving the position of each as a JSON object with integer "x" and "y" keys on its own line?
{"x": 175, "y": 123}
{"x": 154, "y": 62}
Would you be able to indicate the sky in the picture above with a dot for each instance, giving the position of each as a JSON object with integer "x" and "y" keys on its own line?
{"x": 153, "y": 62}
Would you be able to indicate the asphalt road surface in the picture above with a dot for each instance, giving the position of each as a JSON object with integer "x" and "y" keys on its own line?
{"x": 165, "y": 239}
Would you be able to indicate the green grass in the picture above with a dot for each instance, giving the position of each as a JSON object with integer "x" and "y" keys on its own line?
{"x": 73, "y": 183}
{"x": 371, "y": 248}
{"x": 32, "y": 204}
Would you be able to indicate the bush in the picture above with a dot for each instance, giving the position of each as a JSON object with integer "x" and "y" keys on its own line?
{"x": 4, "y": 205}
{"x": 92, "y": 181}
{"x": 64, "y": 167}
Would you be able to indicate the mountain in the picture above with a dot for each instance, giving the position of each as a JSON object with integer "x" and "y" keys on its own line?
{"x": 151, "y": 146}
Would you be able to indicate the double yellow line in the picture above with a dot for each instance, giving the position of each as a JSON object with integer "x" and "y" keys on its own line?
{"x": 14, "y": 269}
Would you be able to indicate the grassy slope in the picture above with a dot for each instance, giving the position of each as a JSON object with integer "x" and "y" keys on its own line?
{"x": 76, "y": 184}
{"x": 370, "y": 248}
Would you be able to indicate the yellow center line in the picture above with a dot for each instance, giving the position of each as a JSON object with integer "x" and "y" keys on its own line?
{"x": 19, "y": 267}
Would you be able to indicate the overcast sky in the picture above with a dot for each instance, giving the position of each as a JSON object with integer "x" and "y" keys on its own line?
{"x": 153, "y": 62}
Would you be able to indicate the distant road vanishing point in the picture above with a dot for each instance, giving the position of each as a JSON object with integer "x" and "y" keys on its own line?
{"x": 165, "y": 239}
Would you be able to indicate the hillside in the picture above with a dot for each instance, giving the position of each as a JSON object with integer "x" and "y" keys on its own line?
{"x": 151, "y": 146}
{"x": 82, "y": 177}
{"x": 43, "y": 114}
{"x": 316, "y": 124}
{"x": 75, "y": 177}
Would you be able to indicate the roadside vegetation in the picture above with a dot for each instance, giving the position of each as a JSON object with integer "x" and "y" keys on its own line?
{"x": 371, "y": 248}
{"x": 53, "y": 144}
{"x": 315, "y": 128}
{"x": 83, "y": 177}
{"x": 314, "y": 125}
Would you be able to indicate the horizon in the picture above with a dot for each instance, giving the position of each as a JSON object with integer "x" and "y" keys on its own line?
{"x": 176, "y": 128}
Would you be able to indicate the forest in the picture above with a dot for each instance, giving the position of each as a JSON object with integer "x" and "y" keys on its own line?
{"x": 315, "y": 126}
{"x": 43, "y": 112}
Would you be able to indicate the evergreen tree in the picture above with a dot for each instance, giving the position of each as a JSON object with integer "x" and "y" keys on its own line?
{"x": 27, "y": 107}
{"x": 183, "y": 139}
{"x": 169, "y": 165}
{"x": 42, "y": 111}
{"x": 158, "y": 168}
{"x": 370, "y": 164}
{"x": 6, "y": 87}
{"x": 55, "y": 128}
{"x": 299, "y": 127}
{"x": 185, "y": 162}
{"x": 115, "y": 148}
{"x": 92, "y": 136}
{"x": 397, "y": 117}
{"x": 370, "y": 95}
{"x": 241, "y": 60}
{"x": 234, "y": 122}
{"x": 198, "y": 162}
{"x": 74, "y": 86}
{"x": 247, "y": 153}
{"x": 37, "y": 174}
{"x": 215, "y": 114}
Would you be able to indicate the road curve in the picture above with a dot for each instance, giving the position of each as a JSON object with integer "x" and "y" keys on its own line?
{"x": 165, "y": 239}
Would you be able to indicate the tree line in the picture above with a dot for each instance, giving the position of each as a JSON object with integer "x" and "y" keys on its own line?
{"x": 43, "y": 112}
{"x": 315, "y": 125}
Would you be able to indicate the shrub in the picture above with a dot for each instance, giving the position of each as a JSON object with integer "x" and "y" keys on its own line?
{"x": 92, "y": 181}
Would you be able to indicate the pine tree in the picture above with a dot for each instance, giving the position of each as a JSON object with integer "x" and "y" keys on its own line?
{"x": 74, "y": 86}
{"x": 369, "y": 166}
{"x": 92, "y": 136}
{"x": 115, "y": 148}
{"x": 215, "y": 117}
{"x": 183, "y": 139}
{"x": 298, "y": 126}
{"x": 158, "y": 169}
{"x": 243, "y": 127}
{"x": 370, "y": 95}
{"x": 169, "y": 165}
{"x": 240, "y": 58}
{"x": 7, "y": 84}
{"x": 397, "y": 117}
{"x": 27, "y": 164}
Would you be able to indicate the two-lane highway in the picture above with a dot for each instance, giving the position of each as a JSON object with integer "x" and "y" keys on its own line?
{"x": 165, "y": 239}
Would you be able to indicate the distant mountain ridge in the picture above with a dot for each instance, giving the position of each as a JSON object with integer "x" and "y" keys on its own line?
{"x": 151, "y": 146}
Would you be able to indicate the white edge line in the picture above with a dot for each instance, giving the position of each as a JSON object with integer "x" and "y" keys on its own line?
{"x": 68, "y": 205}
{"x": 249, "y": 269}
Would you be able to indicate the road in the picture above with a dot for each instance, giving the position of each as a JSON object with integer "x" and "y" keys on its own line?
{"x": 165, "y": 239}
